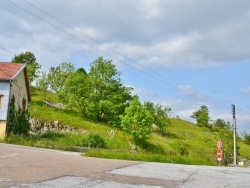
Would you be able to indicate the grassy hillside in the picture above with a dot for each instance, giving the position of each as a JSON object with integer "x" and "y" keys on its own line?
{"x": 184, "y": 142}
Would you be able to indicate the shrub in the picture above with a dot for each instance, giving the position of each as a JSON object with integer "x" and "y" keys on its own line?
{"x": 18, "y": 122}
{"x": 180, "y": 148}
{"x": 96, "y": 141}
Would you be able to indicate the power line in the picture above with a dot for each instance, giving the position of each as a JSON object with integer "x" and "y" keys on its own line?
{"x": 7, "y": 50}
{"x": 171, "y": 83}
{"x": 96, "y": 41}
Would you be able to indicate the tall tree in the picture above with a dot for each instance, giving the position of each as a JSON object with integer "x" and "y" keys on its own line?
{"x": 202, "y": 116}
{"x": 107, "y": 95}
{"x": 58, "y": 75}
{"x": 42, "y": 82}
{"x": 75, "y": 92}
{"x": 160, "y": 115}
{"x": 137, "y": 121}
{"x": 220, "y": 123}
{"x": 32, "y": 66}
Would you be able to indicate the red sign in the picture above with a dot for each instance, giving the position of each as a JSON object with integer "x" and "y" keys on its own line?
{"x": 219, "y": 151}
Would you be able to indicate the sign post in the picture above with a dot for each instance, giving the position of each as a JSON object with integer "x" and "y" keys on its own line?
{"x": 219, "y": 151}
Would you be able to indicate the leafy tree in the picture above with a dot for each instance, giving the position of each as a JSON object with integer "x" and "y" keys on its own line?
{"x": 137, "y": 121}
{"x": 32, "y": 66}
{"x": 160, "y": 115}
{"x": 42, "y": 82}
{"x": 107, "y": 95}
{"x": 58, "y": 75}
{"x": 220, "y": 124}
{"x": 202, "y": 117}
{"x": 76, "y": 93}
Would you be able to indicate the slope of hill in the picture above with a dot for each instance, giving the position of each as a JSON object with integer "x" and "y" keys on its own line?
{"x": 184, "y": 142}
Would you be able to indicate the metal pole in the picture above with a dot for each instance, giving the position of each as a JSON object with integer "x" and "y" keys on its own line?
{"x": 234, "y": 135}
{"x": 235, "y": 148}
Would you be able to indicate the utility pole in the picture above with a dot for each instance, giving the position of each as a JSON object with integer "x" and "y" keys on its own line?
{"x": 234, "y": 135}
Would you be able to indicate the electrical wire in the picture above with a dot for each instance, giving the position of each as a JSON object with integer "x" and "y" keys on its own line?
{"x": 173, "y": 84}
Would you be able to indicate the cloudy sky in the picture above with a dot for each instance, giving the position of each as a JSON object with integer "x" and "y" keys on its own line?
{"x": 180, "y": 53}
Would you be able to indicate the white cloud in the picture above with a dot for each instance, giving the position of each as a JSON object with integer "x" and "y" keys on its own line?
{"x": 169, "y": 34}
{"x": 245, "y": 91}
{"x": 143, "y": 93}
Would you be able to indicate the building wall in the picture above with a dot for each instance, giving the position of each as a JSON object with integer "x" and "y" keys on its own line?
{"x": 19, "y": 90}
{"x": 4, "y": 94}
{"x": 2, "y": 129}
{"x": 16, "y": 88}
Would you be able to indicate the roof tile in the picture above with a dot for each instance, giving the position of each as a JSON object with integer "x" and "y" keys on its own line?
{"x": 9, "y": 70}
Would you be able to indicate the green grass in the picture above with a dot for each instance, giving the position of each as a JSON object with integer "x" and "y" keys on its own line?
{"x": 143, "y": 156}
{"x": 184, "y": 142}
{"x": 52, "y": 140}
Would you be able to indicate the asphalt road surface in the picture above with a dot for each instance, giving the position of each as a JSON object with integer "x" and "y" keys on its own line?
{"x": 42, "y": 168}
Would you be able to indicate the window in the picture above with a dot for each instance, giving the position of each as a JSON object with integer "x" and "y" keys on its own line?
{"x": 23, "y": 105}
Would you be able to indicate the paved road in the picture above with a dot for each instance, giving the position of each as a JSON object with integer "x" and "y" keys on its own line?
{"x": 41, "y": 168}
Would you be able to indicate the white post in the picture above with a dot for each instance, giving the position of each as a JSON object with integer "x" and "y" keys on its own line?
{"x": 235, "y": 146}
{"x": 234, "y": 135}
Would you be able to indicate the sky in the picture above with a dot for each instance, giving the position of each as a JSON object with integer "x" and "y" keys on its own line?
{"x": 179, "y": 53}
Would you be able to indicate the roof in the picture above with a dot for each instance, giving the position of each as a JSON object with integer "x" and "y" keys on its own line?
{"x": 8, "y": 71}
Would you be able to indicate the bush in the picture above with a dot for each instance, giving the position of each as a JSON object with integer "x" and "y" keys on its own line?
{"x": 180, "y": 148}
{"x": 18, "y": 122}
{"x": 96, "y": 141}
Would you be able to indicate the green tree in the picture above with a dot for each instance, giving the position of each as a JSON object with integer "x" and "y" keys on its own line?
{"x": 42, "y": 82}
{"x": 202, "y": 117}
{"x": 160, "y": 115}
{"x": 108, "y": 96}
{"x": 58, "y": 75}
{"x": 75, "y": 92}
{"x": 137, "y": 121}
{"x": 221, "y": 124}
{"x": 18, "y": 121}
{"x": 32, "y": 66}
{"x": 11, "y": 117}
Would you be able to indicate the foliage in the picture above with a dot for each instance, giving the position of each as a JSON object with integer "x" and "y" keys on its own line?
{"x": 221, "y": 124}
{"x": 18, "y": 122}
{"x": 96, "y": 141}
{"x": 246, "y": 137}
{"x": 137, "y": 121}
{"x": 11, "y": 117}
{"x": 201, "y": 145}
{"x": 75, "y": 92}
{"x": 107, "y": 94}
{"x": 32, "y": 66}
{"x": 181, "y": 148}
{"x": 202, "y": 116}
{"x": 160, "y": 115}
{"x": 42, "y": 82}
{"x": 99, "y": 95}
{"x": 57, "y": 75}
{"x": 226, "y": 135}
